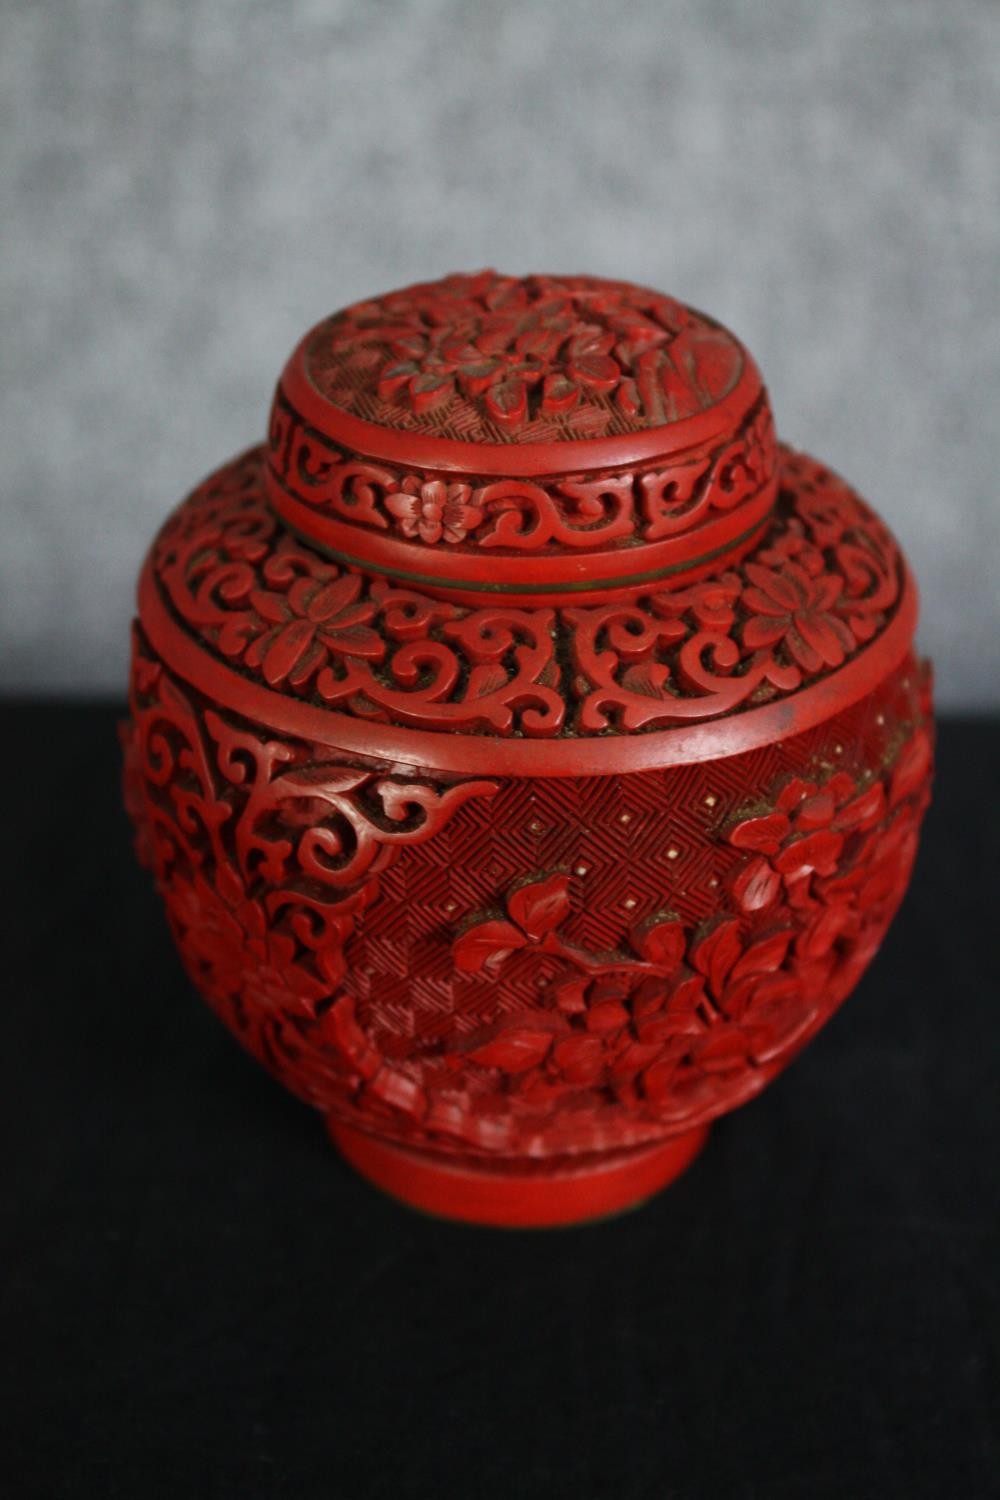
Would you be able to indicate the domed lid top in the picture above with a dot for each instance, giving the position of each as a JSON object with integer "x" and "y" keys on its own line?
{"x": 534, "y": 359}
{"x": 534, "y": 435}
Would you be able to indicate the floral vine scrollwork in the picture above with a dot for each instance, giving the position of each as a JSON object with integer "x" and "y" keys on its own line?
{"x": 822, "y": 585}
{"x": 819, "y": 590}
{"x": 578, "y": 511}
{"x": 266, "y": 854}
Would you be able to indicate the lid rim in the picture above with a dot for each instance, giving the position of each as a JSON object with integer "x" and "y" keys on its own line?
{"x": 579, "y": 576}
{"x": 668, "y": 441}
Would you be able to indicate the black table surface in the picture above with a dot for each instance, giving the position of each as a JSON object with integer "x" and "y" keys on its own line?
{"x": 200, "y": 1300}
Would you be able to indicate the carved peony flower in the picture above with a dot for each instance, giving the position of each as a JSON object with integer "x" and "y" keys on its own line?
{"x": 803, "y": 837}
{"x": 683, "y": 1017}
{"x": 433, "y": 509}
{"x": 228, "y": 944}
{"x": 212, "y": 932}
{"x": 316, "y": 619}
{"x": 617, "y": 1019}
{"x": 797, "y": 608}
{"x": 275, "y": 982}
{"x": 829, "y": 850}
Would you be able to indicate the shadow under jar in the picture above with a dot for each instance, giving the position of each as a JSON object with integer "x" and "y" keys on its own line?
{"x": 529, "y": 750}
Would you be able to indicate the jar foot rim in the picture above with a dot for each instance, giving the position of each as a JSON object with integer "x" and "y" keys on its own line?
{"x": 505, "y": 1196}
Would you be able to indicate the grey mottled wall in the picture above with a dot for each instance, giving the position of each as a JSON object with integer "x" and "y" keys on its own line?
{"x": 187, "y": 184}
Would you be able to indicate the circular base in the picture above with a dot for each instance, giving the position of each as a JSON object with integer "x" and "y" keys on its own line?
{"x": 532, "y": 1197}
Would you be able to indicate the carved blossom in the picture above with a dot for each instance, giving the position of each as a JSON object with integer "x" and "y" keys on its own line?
{"x": 798, "y": 609}
{"x": 317, "y": 618}
{"x": 233, "y": 950}
{"x": 521, "y": 515}
{"x": 433, "y": 509}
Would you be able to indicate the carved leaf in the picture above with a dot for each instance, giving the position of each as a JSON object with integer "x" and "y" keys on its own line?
{"x": 794, "y": 793}
{"x": 514, "y": 1050}
{"x": 762, "y": 835}
{"x": 664, "y": 1026}
{"x": 658, "y": 1079}
{"x": 633, "y": 1057}
{"x": 538, "y": 908}
{"x": 764, "y": 956}
{"x": 650, "y": 996}
{"x": 487, "y": 678}
{"x": 823, "y": 931}
{"x": 430, "y": 390}
{"x": 723, "y": 1049}
{"x": 571, "y": 996}
{"x": 661, "y": 941}
{"x": 862, "y": 812}
{"x": 911, "y": 769}
{"x": 507, "y": 402}
{"x": 486, "y": 945}
{"x": 559, "y": 394}
{"x": 579, "y": 1058}
{"x": 606, "y": 1017}
{"x": 771, "y": 994}
{"x": 815, "y": 812}
{"x": 687, "y": 995}
{"x": 599, "y": 372}
{"x": 285, "y": 651}
{"x": 716, "y": 953}
{"x": 395, "y": 377}
{"x": 756, "y": 885}
{"x": 816, "y": 851}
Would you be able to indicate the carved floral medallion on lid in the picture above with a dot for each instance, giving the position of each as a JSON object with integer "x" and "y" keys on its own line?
{"x": 491, "y": 358}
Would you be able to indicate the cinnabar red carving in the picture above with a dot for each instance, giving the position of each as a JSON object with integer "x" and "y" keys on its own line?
{"x": 518, "y": 860}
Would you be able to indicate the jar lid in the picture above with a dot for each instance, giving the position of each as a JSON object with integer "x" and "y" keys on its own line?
{"x": 538, "y": 436}
{"x": 535, "y": 527}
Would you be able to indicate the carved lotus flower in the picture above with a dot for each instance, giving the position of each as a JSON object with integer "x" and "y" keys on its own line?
{"x": 316, "y": 619}
{"x": 798, "y": 609}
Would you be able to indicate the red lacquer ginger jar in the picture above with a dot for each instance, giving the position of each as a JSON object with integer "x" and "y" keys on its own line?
{"x": 528, "y": 748}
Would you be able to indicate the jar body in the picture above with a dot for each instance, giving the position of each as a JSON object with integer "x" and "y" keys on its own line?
{"x": 516, "y": 998}
{"x": 527, "y": 746}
